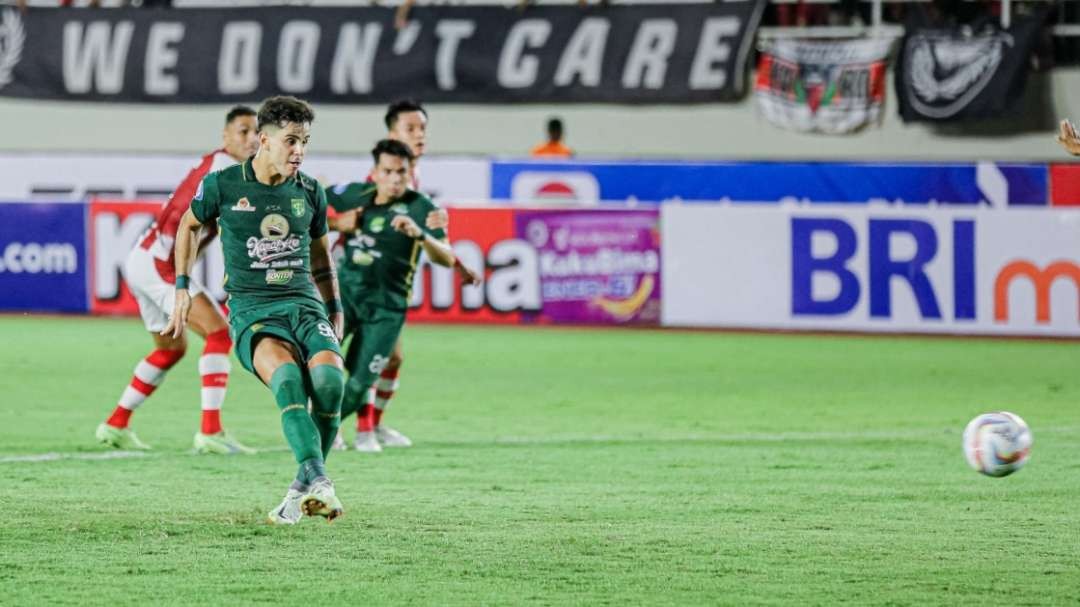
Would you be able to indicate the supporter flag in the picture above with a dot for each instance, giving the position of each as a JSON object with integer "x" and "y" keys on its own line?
{"x": 826, "y": 87}
{"x": 965, "y": 73}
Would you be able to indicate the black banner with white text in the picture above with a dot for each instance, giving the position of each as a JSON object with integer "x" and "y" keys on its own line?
{"x": 621, "y": 54}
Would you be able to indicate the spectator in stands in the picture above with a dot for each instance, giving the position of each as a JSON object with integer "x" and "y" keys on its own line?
{"x": 553, "y": 147}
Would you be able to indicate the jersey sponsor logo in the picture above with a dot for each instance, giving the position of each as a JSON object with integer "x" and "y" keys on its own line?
{"x": 276, "y": 242}
{"x": 242, "y": 205}
{"x": 362, "y": 258}
{"x": 377, "y": 225}
{"x": 400, "y": 208}
{"x": 278, "y": 277}
{"x": 378, "y": 363}
{"x": 298, "y": 207}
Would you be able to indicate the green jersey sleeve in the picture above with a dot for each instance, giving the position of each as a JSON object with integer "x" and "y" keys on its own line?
{"x": 335, "y": 196}
{"x": 206, "y": 203}
{"x": 348, "y": 196}
{"x": 318, "y": 227}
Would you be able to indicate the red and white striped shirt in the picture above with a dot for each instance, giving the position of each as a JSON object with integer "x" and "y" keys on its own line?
{"x": 161, "y": 234}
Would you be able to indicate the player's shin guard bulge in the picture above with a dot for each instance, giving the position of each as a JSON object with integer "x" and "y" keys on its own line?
{"x": 328, "y": 385}
{"x": 287, "y": 384}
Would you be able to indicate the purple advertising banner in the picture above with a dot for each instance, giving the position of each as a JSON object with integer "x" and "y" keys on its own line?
{"x": 596, "y": 267}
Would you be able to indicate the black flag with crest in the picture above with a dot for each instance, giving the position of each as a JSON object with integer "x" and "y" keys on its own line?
{"x": 969, "y": 72}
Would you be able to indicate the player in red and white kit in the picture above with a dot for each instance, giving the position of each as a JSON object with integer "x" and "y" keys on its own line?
{"x": 151, "y": 276}
{"x": 406, "y": 121}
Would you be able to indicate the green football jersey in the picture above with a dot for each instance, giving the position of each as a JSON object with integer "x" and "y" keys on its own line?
{"x": 379, "y": 261}
{"x": 266, "y": 231}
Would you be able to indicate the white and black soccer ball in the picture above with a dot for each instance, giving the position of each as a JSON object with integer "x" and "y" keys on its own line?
{"x": 997, "y": 444}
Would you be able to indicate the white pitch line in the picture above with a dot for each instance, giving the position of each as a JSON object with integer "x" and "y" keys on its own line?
{"x": 53, "y": 457}
{"x": 750, "y": 437}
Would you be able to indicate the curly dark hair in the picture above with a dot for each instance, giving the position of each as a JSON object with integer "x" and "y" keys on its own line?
{"x": 279, "y": 111}
{"x": 393, "y": 147}
{"x": 401, "y": 106}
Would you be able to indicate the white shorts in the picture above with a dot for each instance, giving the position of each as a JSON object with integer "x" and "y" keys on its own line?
{"x": 156, "y": 297}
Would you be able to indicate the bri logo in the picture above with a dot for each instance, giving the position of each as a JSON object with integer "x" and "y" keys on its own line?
{"x": 887, "y": 268}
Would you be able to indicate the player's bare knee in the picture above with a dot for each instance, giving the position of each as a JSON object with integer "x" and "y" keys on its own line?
{"x": 175, "y": 348}
{"x": 396, "y": 359}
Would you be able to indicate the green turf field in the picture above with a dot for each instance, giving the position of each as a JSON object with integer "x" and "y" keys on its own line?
{"x": 557, "y": 467}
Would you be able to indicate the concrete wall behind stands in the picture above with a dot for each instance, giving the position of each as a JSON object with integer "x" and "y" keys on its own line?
{"x": 720, "y": 131}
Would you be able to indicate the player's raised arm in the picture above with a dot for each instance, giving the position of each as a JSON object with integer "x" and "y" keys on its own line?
{"x": 1069, "y": 138}
{"x": 438, "y": 250}
{"x": 187, "y": 235}
{"x": 322, "y": 272}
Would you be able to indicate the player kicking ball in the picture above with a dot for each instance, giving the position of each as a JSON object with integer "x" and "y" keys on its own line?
{"x": 380, "y": 258}
{"x": 150, "y": 274}
{"x": 273, "y": 228}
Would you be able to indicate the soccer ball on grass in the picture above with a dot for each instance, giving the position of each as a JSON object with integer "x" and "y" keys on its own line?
{"x": 997, "y": 444}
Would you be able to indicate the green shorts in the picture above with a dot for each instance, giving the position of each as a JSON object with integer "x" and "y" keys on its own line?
{"x": 303, "y": 323}
{"x": 374, "y": 331}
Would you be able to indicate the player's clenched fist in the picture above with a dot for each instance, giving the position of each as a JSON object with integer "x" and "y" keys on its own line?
{"x": 405, "y": 225}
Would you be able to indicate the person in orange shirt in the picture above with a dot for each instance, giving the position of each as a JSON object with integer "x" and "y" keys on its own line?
{"x": 553, "y": 147}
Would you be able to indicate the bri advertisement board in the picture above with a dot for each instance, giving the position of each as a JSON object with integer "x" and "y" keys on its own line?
{"x": 43, "y": 265}
{"x": 977, "y": 271}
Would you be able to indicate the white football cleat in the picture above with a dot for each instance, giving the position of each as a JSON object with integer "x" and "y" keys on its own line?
{"x": 388, "y": 437}
{"x": 367, "y": 443}
{"x": 288, "y": 513}
{"x": 320, "y": 500}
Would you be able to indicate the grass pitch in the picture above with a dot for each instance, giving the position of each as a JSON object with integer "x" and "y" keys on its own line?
{"x": 556, "y": 467}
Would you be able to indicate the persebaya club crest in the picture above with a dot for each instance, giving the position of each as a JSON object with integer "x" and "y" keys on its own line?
{"x": 298, "y": 207}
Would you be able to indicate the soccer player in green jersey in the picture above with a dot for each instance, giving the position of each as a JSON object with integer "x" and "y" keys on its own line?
{"x": 272, "y": 220}
{"x": 406, "y": 121}
{"x": 380, "y": 258}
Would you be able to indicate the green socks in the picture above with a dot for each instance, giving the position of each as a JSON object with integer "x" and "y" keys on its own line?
{"x": 287, "y": 384}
